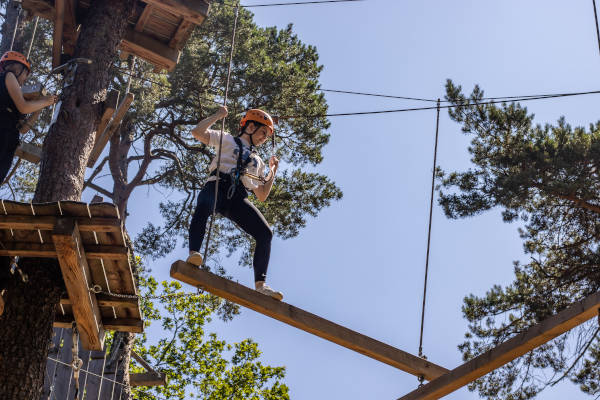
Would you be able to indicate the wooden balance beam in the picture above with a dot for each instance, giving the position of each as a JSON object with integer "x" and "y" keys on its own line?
{"x": 535, "y": 336}
{"x": 304, "y": 320}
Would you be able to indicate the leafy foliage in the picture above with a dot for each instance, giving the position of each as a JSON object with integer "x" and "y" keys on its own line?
{"x": 546, "y": 177}
{"x": 198, "y": 364}
{"x": 272, "y": 70}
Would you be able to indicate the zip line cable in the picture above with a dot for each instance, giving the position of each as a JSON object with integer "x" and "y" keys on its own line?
{"x": 376, "y": 95}
{"x": 432, "y": 100}
{"x": 468, "y": 104}
{"x": 297, "y": 3}
{"x": 597, "y": 28}
{"x": 214, "y": 210}
{"x": 487, "y": 100}
{"x": 435, "y": 150}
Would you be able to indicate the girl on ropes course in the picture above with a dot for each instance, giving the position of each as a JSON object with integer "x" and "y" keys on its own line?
{"x": 14, "y": 70}
{"x": 240, "y": 169}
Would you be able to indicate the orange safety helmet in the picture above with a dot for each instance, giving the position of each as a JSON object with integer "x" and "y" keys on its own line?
{"x": 17, "y": 57}
{"x": 259, "y": 116}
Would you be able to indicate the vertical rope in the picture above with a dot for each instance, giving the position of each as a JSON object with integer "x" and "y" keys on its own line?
{"x": 12, "y": 42}
{"x": 597, "y": 28}
{"x": 437, "y": 129}
{"x": 131, "y": 67}
{"x": 37, "y": 20}
{"x": 214, "y": 210}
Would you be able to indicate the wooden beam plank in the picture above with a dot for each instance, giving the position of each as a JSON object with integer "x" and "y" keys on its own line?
{"x": 148, "y": 379}
{"x": 59, "y": 22}
{"x": 182, "y": 34}
{"x": 535, "y": 336}
{"x": 139, "y": 26}
{"x": 77, "y": 277}
{"x": 33, "y": 92}
{"x": 110, "y": 324}
{"x": 110, "y": 129}
{"x": 31, "y": 222}
{"x": 70, "y": 32}
{"x": 107, "y": 252}
{"x": 124, "y": 325}
{"x": 110, "y": 106}
{"x": 304, "y": 320}
{"x": 150, "y": 49}
{"x": 41, "y": 8}
{"x": 194, "y": 10}
{"x": 29, "y": 152}
{"x": 47, "y": 250}
{"x": 108, "y": 300}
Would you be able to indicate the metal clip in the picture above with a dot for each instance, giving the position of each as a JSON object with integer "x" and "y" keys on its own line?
{"x": 96, "y": 289}
{"x": 14, "y": 267}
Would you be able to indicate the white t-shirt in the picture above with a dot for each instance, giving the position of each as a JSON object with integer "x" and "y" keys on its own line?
{"x": 229, "y": 157}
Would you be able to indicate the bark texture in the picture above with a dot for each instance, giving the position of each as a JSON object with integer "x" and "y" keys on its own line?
{"x": 70, "y": 140}
{"x": 26, "y": 325}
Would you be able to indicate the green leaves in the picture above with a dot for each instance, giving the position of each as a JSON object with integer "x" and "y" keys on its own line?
{"x": 198, "y": 364}
{"x": 547, "y": 177}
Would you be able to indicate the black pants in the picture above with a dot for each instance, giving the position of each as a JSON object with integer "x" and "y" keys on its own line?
{"x": 239, "y": 210}
{"x": 9, "y": 141}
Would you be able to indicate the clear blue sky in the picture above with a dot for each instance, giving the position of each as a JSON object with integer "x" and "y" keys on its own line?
{"x": 361, "y": 262}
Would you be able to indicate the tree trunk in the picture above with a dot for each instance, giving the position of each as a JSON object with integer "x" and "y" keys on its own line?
{"x": 26, "y": 325}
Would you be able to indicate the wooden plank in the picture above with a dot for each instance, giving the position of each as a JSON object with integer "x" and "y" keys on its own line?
{"x": 33, "y": 92}
{"x": 108, "y": 300}
{"x": 30, "y": 222}
{"x": 110, "y": 105}
{"x": 29, "y": 152}
{"x": 149, "y": 49}
{"x": 40, "y": 8}
{"x": 47, "y": 250}
{"x": 304, "y": 320}
{"x": 110, "y": 129}
{"x": 148, "y": 379}
{"x": 193, "y": 10}
{"x": 77, "y": 277}
{"x": 70, "y": 32}
{"x": 535, "y": 336}
{"x": 181, "y": 36}
{"x": 110, "y": 324}
{"x": 59, "y": 21}
{"x": 139, "y": 26}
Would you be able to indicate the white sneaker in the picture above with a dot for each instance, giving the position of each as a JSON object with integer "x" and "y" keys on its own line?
{"x": 194, "y": 258}
{"x": 270, "y": 292}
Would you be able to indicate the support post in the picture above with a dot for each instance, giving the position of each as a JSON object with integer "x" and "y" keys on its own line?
{"x": 59, "y": 22}
{"x": 110, "y": 129}
{"x": 78, "y": 280}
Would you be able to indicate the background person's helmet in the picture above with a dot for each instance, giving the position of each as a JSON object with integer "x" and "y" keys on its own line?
{"x": 259, "y": 116}
{"x": 15, "y": 56}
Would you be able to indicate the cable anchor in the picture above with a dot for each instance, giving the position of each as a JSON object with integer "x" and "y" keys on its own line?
{"x": 96, "y": 289}
{"x": 14, "y": 267}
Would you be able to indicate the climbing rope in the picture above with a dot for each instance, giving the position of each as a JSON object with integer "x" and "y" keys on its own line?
{"x": 37, "y": 20}
{"x": 214, "y": 210}
{"x": 437, "y": 129}
{"x": 597, "y": 28}
{"x": 14, "y": 35}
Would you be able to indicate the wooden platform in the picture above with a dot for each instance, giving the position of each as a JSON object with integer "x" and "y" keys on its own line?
{"x": 304, "y": 320}
{"x": 158, "y": 29}
{"x": 88, "y": 241}
{"x": 513, "y": 348}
